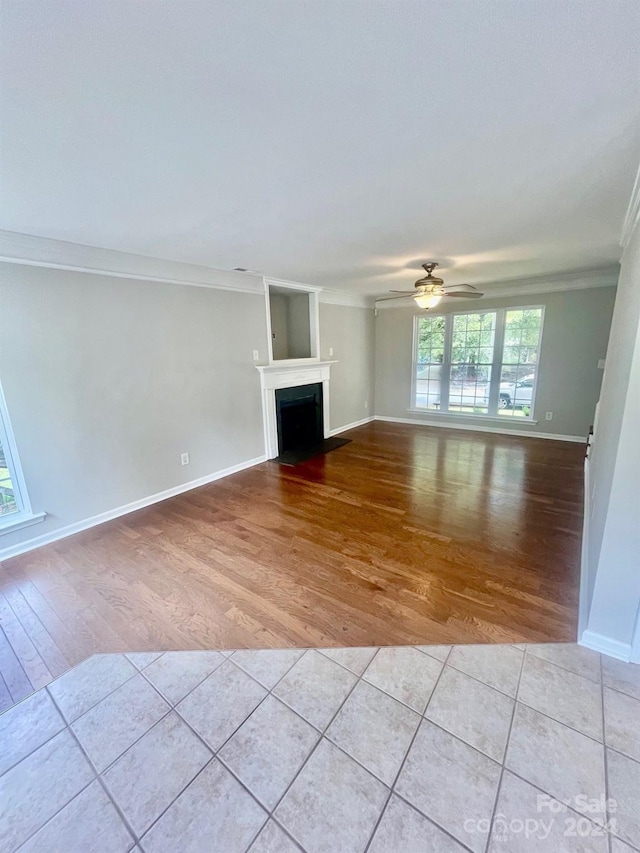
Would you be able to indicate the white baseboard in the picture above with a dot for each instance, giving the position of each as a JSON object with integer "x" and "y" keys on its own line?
{"x": 480, "y": 428}
{"x": 355, "y": 424}
{"x": 85, "y": 524}
{"x": 605, "y": 645}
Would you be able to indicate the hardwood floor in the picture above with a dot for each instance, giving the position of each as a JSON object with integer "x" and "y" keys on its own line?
{"x": 407, "y": 535}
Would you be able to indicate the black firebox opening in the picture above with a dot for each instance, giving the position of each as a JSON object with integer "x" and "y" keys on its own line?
{"x": 299, "y": 417}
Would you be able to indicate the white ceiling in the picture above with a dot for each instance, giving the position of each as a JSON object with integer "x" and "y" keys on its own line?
{"x": 334, "y": 142}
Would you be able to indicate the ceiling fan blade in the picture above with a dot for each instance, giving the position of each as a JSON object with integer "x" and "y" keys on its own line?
{"x": 402, "y": 291}
{"x": 465, "y": 294}
{"x": 387, "y": 298}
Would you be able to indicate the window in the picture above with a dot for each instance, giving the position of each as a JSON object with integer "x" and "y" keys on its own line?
{"x": 430, "y": 356}
{"x": 519, "y": 368}
{"x": 15, "y": 509}
{"x": 472, "y": 347}
{"x": 478, "y": 362}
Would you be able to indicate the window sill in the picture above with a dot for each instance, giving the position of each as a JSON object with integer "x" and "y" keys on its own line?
{"x": 13, "y": 524}
{"x": 495, "y": 418}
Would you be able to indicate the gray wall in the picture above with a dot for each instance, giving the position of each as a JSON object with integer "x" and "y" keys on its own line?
{"x": 109, "y": 380}
{"x": 613, "y": 548}
{"x": 279, "y": 325}
{"x": 290, "y": 323}
{"x": 350, "y": 332}
{"x": 299, "y": 325}
{"x": 575, "y": 334}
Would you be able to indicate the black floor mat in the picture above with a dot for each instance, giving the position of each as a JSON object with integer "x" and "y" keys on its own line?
{"x": 295, "y": 457}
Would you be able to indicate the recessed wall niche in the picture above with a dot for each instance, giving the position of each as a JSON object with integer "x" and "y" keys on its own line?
{"x": 292, "y": 315}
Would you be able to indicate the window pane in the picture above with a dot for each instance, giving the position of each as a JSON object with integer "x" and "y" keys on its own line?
{"x": 519, "y": 362}
{"x": 429, "y": 362}
{"x": 7, "y": 494}
{"x": 471, "y": 358}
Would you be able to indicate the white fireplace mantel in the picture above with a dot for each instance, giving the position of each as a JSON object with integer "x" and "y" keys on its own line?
{"x": 290, "y": 375}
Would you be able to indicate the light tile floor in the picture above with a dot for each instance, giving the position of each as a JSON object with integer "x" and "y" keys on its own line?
{"x": 392, "y": 750}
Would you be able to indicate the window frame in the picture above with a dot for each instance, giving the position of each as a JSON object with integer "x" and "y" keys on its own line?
{"x": 496, "y": 366}
{"x": 24, "y": 516}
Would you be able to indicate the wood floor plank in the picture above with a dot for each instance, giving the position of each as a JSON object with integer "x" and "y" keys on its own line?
{"x": 49, "y": 651}
{"x": 408, "y": 534}
{"x": 25, "y": 651}
{"x": 13, "y": 674}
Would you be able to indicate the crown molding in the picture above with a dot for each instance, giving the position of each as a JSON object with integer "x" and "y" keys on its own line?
{"x": 532, "y": 285}
{"x": 632, "y": 216}
{"x": 30, "y": 250}
{"x": 571, "y": 280}
{"x": 349, "y": 300}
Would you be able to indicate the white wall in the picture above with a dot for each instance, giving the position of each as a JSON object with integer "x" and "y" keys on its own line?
{"x": 574, "y": 338}
{"x": 613, "y": 549}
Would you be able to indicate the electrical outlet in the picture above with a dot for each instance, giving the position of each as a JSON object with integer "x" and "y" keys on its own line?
{"x": 330, "y": 350}
{"x": 256, "y": 355}
{"x": 601, "y": 363}
{"x": 184, "y": 458}
{"x": 549, "y": 416}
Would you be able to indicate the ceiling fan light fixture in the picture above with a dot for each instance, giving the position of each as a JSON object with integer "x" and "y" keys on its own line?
{"x": 427, "y": 300}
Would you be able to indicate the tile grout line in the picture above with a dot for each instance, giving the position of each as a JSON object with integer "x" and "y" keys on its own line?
{"x": 566, "y": 668}
{"x": 574, "y": 811}
{"x": 605, "y": 762}
{"x": 560, "y": 722}
{"x": 406, "y": 755}
{"x": 215, "y": 752}
{"x": 322, "y": 736}
{"x": 67, "y": 724}
{"x": 246, "y": 671}
{"x": 207, "y": 763}
{"x": 171, "y": 708}
{"x": 97, "y": 778}
{"x": 166, "y": 698}
{"x": 99, "y": 774}
{"x": 480, "y": 681}
{"x": 504, "y": 757}
{"x": 414, "y": 808}
{"x": 270, "y": 812}
{"x": 358, "y": 679}
{"x": 106, "y": 696}
{"x": 105, "y": 789}
{"x": 108, "y": 767}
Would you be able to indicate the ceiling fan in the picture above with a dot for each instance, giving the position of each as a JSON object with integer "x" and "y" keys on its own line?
{"x": 431, "y": 289}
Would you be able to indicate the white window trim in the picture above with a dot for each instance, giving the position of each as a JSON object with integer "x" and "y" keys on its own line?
{"x": 25, "y": 515}
{"x": 498, "y": 349}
